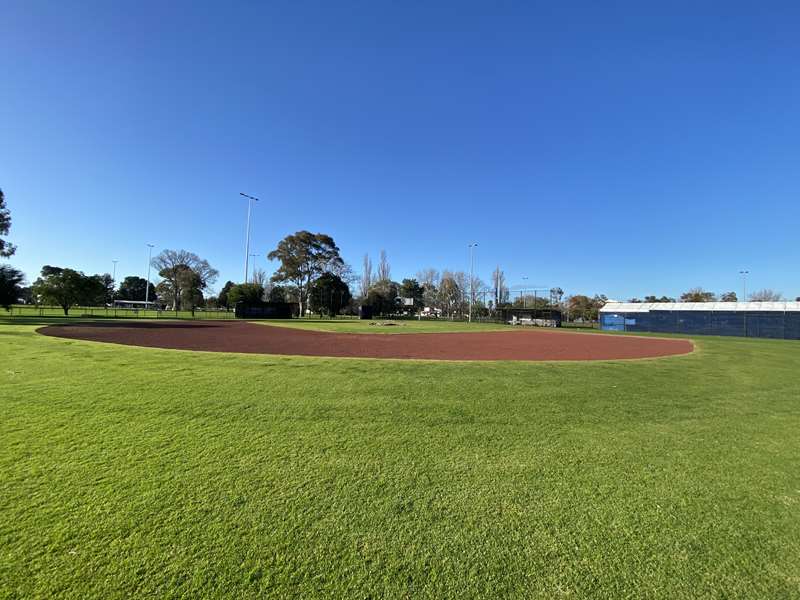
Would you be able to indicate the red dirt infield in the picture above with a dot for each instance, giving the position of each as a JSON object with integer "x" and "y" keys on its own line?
{"x": 239, "y": 336}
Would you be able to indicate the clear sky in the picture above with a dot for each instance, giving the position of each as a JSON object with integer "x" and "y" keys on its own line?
{"x": 619, "y": 148}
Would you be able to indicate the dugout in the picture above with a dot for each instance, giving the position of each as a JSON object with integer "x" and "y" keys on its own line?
{"x": 777, "y": 320}
{"x": 266, "y": 310}
{"x": 540, "y": 317}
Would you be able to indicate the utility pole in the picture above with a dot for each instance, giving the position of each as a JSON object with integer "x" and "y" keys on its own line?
{"x": 147, "y": 286}
{"x": 471, "y": 278}
{"x": 247, "y": 235}
{"x": 744, "y": 273}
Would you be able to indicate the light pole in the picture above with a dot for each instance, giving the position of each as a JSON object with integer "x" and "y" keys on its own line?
{"x": 254, "y": 265}
{"x": 472, "y": 246}
{"x": 744, "y": 284}
{"x": 744, "y": 273}
{"x": 113, "y": 282}
{"x": 524, "y": 295}
{"x": 147, "y": 285}
{"x": 247, "y": 236}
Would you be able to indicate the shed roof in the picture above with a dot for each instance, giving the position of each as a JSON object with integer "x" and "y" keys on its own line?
{"x": 641, "y": 307}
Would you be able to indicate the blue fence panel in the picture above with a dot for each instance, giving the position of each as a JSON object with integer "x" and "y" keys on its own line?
{"x": 764, "y": 324}
{"x": 612, "y": 322}
{"x": 791, "y": 329}
{"x": 695, "y": 322}
{"x": 729, "y": 323}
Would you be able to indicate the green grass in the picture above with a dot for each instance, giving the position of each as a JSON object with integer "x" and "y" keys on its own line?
{"x": 132, "y": 472}
{"x": 385, "y": 325}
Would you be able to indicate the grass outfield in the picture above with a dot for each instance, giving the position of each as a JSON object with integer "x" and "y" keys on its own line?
{"x": 133, "y": 472}
{"x": 385, "y": 325}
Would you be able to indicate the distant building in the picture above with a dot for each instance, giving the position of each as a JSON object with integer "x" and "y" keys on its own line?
{"x": 780, "y": 320}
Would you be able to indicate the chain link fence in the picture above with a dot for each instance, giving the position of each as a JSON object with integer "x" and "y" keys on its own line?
{"x": 99, "y": 312}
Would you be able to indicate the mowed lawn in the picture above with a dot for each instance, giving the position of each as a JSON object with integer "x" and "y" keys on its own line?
{"x": 130, "y": 472}
{"x": 386, "y": 326}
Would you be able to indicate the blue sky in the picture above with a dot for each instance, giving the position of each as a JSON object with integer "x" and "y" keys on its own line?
{"x": 614, "y": 148}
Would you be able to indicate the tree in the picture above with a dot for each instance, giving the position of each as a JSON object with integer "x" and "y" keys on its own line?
{"x": 304, "y": 256}
{"x": 536, "y": 301}
{"x": 259, "y": 277}
{"x": 384, "y": 270}
{"x": 181, "y": 287}
{"x": 67, "y": 287}
{"x": 344, "y": 272}
{"x": 287, "y": 293}
{"x": 222, "y": 298}
{"x": 499, "y": 286}
{"x": 135, "y": 288}
{"x": 366, "y": 276}
{"x": 108, "y": 288}
{"x": 698, "y": 295}
{"x": 410, "y": 288}
{"x": 26, "y": 295}
{"x": 382, "y": 297}
{"x": 580, "y": 307}
{"x": 276, "y": 293}
{"x": 185, "y": 275}
{"x": 766, "y": 295}
{"x": 585, "y": 308}
{"x": 249, "y": 293}
{"x": 329, "y": 294}
{"x": 474, "y": 286}
{"x": 450, "y": 294}
{"x": 598, "y": 302}
{"x": 729, "y": 297}
{"x": 657, "y": 299}
{"x": 10, "y": 285}
{"x": 462, "y": 283}
{"x": 429, "y": 280}
{"x": 6, "y": 249}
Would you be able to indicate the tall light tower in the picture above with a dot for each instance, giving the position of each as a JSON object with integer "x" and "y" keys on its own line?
{"x": 472, "y": 246}
{"x": 114, "y": 282}
{"x": 147, "y": 285}
{"x": 524, "y": 293}
{"x": 254, "y": 265}
{"x": 744, "y": 274}
{"x": 744, "y": 284}
{"x": 250, "y": 200}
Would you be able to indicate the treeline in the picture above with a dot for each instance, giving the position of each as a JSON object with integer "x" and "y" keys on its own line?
{"x": 11, "y": 279}
{"x": 184, "y": 277}
{"x": 313, "y": 275}
{"x": 698, "y": 294}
